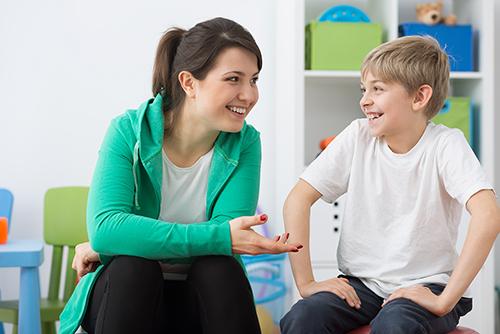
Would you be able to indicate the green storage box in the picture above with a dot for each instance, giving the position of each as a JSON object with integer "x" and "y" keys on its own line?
{"x": 457, "y": 113}
{"x": 340, "y": 45}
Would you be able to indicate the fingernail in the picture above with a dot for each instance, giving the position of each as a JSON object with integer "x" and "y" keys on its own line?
{"x": 295, "y": 250}
{"x": 287, "y": 235}
{"x": 299, "y": 246}
{"x": 263, "y": 217}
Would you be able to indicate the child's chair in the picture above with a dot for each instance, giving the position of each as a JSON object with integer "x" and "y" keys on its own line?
{"x": 458, "y": 330}
{"x": 63, "y": 226}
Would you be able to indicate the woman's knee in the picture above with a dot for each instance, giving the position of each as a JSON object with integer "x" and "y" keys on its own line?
{"x": 133, "y": 271}
{"x": 216, "y": 268}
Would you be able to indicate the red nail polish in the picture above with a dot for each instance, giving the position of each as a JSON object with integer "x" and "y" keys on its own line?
{"x": 263, "y": 217}
{"x": 287, "y": 235}
{"x": 299, "y": 247}
{"x": 295, "y": 250}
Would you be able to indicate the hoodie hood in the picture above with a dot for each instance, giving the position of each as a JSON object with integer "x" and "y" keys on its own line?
{"x": 148, "y": 126}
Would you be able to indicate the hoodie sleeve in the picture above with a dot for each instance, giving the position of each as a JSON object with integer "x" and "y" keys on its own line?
{"x": 115, "y": 230}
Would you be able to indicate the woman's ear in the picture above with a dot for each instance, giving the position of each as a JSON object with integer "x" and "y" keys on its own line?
{"x": 422, "y": 97}
{"x": 187, "y": 82}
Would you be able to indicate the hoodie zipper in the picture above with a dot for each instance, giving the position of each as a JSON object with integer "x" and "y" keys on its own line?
{"x": 135, "y": 172}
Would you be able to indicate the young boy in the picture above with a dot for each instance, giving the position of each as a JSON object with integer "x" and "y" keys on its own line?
{"x": 407, "y": 181}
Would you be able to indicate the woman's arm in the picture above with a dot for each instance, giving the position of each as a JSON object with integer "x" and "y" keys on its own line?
{"x": 114, "y": 228}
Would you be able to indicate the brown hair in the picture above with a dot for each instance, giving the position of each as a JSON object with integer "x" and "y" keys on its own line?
{"x": 195, "y": 51}
{"x": 412, "y": 61}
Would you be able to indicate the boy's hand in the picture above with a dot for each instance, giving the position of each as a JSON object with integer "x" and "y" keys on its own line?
{"x": 339, "y": 286}
{"x": 422, "y": 296}
{"x": 244, "y": 240}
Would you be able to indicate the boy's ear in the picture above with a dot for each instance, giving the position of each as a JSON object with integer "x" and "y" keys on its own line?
{"x": 188, "y": 83}
{"x": 422, "y": 97}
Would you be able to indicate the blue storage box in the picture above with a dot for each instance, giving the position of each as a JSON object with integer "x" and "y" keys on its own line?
{"x": 455, "y": 40}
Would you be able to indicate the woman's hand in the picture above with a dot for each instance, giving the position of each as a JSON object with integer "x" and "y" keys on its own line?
{"x": 338, "y": 285}
{"x": 244, "y": 240}
{"x": 85, "y": 260}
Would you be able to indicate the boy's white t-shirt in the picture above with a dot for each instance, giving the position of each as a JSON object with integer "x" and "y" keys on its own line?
{"x": 402, "y": 211}
{"x": 183, "y": 200}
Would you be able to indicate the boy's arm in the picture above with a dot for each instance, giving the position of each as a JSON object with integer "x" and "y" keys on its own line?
{"x": 483, "y": 229}
{"x": 296, "y": 214}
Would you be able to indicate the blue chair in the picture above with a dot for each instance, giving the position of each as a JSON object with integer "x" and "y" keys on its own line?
{"x": 6, "y": 203}
{"x": 64, "y": 227}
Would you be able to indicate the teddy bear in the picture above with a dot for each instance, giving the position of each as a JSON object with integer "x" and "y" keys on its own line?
{"x": 432, "y": 13}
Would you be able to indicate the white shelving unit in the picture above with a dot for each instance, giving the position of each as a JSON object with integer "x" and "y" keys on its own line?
{"x": 312, "y": 105}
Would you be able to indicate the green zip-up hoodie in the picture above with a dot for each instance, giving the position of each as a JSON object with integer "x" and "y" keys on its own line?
{"x": 125, "y": 196}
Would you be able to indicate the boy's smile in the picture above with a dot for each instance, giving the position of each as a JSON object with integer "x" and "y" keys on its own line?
{"x": 372, "y": 116}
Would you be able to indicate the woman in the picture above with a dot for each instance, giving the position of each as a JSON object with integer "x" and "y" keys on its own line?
{"x": 172, "y": 196}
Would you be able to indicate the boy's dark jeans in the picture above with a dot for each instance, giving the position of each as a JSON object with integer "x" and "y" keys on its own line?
{"x": 325, "y": 312}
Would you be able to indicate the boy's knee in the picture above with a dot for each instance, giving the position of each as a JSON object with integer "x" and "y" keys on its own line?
{"x": 398, "y": 318}
{"x": 396, "y": 326}
{"x": 308, "y": 316}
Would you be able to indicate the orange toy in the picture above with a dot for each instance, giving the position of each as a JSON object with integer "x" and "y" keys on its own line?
{"x": 3, "y": 230}
{"x": 324, "y": 143}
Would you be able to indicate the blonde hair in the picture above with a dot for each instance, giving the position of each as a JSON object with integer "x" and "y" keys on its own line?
{"x": 412, "y": 61}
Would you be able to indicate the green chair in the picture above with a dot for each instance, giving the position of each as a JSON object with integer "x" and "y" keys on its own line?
{"x": 63, "y": 227}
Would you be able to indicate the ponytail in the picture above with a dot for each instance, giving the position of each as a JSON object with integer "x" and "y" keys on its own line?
{"x": 165, "y": 54}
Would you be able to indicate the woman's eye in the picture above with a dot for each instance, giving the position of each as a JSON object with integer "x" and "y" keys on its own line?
{"x": 254, "y": 80}
{"x": 233, "y": 79}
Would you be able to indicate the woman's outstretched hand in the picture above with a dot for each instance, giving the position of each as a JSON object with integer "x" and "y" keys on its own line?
{"x": 244, "y": 240}
{"x": 85, "y": 260}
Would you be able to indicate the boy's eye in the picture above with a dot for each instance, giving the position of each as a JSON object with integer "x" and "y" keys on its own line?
{"x": 377, "y": 89}
{"x": 363, "y": 90}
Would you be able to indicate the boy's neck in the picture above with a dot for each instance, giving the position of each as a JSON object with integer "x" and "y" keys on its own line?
{"x": 405, "y": 140}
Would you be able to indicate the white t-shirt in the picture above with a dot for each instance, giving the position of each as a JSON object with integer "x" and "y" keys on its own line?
{"x": 402, "y": 211}
{"x": 183, "y": 200}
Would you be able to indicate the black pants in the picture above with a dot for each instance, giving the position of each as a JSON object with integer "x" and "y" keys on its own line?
{"x": 325, "y": 312}
{"x": 130, "y": 296}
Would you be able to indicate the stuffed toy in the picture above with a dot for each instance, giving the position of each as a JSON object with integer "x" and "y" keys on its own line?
{"x": 432, "y": 13}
